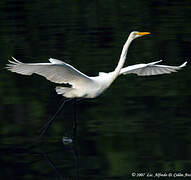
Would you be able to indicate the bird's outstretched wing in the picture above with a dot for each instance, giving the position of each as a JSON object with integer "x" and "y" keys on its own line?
{"x": 150, "y": 69}
{"x": 56, "y": 71}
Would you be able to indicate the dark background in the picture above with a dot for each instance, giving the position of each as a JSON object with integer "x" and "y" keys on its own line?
{"x": 140, "y": 124}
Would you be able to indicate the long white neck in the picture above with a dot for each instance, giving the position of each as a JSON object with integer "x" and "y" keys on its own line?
{"x": 122, "y": 59}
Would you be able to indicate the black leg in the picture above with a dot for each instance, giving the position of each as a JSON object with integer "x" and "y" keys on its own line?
{"x": 46, "y": 125}
{"x": 51, "y": 163}
{"x": 76, "y": 157}
{"x": 75, "y": 121}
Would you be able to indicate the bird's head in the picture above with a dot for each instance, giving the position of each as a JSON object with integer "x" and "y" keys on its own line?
{"x": 136, "y": 34}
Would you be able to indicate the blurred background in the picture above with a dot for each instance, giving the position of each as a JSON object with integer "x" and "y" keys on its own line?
{"x": 140, "y": 124}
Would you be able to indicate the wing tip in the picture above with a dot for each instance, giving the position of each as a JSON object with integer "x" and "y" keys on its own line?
{"x": 184, "y": 64}
{"x": 155, "y": 62}
{"x": 14, "y": 61}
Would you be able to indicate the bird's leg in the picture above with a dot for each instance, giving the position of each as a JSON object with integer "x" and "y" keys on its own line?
{"x": 46, "y": 125}
{"x": 51, "y": 163}
{"x": 75, "y": 121}
{"x": 76, "y": 157}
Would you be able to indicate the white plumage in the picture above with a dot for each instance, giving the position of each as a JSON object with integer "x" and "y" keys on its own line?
{"x": 150, "y": 69}
{"x": 82, "y": 85}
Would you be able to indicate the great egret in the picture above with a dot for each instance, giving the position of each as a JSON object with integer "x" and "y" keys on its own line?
{"x": 83, "y": 86}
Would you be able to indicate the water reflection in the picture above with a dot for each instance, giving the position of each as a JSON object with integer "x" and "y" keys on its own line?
{"x": 27, "y": 159}
{"x": 72, "y": 149}
{"x": 108, "y": 146}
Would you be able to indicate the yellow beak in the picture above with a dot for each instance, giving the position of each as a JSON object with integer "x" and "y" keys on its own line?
{"x": 143, "y": 33}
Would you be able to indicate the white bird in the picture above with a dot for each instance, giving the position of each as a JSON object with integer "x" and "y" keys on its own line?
{"x": 83, "y": 86}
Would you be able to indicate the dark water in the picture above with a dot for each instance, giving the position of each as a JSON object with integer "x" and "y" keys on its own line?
{"x": 140, "y": 124}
